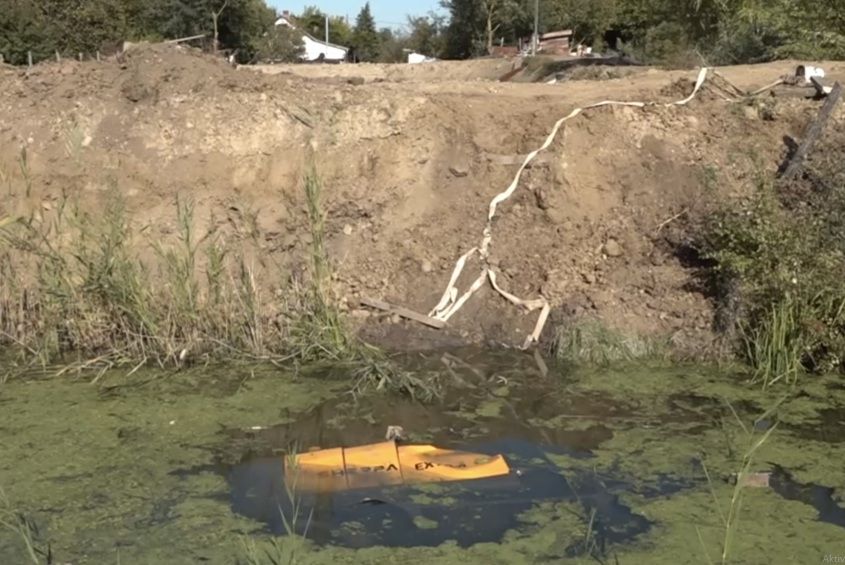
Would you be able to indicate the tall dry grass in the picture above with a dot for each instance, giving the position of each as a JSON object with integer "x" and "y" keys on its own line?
{"x": 76, "y": 294}
{"x": 74, "y": 290}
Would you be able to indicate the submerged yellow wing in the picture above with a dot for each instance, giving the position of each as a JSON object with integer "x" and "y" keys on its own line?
{"x": 385, "y": 464}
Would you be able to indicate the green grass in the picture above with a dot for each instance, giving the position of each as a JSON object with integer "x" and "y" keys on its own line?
{"x": 320, "y": 332}
{"x": 591, "y": 343}
{"x": 25, "y": 530}
{"x": 23, "y": 162}
{"x": 76, "y": 292}
{"x": 730, "y": 516}
{"x": 774, "y": 347}
{"x": 294, "y": 546}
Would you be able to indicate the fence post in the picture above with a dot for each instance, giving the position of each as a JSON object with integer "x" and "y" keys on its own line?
{"x": 98, "y": 56}
{"x": 29, "y": 58}
{"x": 80, "y": 56}
{"x": 58, "y": 57}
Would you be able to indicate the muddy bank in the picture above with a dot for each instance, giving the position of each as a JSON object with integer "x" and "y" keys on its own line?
{"x": 410, "y": 167}
{"x": 145, "y": 467}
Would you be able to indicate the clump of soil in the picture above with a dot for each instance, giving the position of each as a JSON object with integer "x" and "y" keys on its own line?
{"x": 409, "y": 167}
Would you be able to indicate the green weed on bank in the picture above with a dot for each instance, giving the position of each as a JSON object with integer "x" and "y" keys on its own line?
{"x": 784, "y": 265}
{"x": 593, "y": 344}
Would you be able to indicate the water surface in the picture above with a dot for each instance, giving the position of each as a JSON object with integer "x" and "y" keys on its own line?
{"x": 185, "y": 467}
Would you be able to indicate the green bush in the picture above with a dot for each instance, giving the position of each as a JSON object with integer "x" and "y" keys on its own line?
{"x": 741, "y": 42}
{"x": 665, "y": 43}
{"x": 787, "y": 263}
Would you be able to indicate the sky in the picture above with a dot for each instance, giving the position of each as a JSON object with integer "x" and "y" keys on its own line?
{"x": 388, "y": 13}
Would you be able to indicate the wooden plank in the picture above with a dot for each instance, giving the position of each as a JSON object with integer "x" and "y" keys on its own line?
{"x": 815, "y": 131}
{"x": 512, "y": 73}
{"x": 183, "y": 39}
{"x": 767, "y": 87}
{"x": 821, "y": 90}
{"x": 737, "y": 91}
{"x": 404, "y": 312}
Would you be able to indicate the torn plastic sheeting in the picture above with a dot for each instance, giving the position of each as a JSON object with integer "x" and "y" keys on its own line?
{"x": 808, "y": 72}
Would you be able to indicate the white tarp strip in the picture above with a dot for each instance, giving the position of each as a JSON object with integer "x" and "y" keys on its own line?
{"x": 451, "y": 293}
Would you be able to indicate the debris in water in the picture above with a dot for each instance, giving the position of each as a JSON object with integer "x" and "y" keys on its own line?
{"x": 752, "y": 480}
{"x": 395, "y": 433}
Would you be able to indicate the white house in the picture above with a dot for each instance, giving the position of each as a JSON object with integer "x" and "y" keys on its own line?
{"x": 314, "y": 48}
{"x": 415, "y": 58}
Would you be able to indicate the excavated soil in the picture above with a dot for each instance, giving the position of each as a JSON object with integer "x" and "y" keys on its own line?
{"x": 410, "y": 157}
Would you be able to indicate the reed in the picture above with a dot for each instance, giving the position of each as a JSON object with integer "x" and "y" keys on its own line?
{"x": 591, "y": 343}
{"x": 24, "y": 529}
{"x": 730, "y": 517}
{"x": 75, "y": 293}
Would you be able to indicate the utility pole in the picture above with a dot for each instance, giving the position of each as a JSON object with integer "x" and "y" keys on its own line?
{"x": 536, "y": 38}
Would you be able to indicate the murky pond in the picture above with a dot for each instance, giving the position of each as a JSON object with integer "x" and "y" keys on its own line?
{"x": 630, "y": 465}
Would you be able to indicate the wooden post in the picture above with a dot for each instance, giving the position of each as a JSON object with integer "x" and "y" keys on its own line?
{"x": 29, "y": 58}
{"x": 98, "y": 56}
{"x": 58, "y": 57}
{"x": 814, "y": 132}
{"x": 80, "y": 56}
{"x": 2, "y": 59}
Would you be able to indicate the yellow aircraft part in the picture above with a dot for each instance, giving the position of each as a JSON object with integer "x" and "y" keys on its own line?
{"x": 385, "y": 464}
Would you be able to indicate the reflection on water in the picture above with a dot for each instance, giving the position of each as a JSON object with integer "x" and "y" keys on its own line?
{"x": 532, "y": 422}
{"x": 817, "y": 496}
{"x": 523, "y": 421}
{"x": 599, "y": 452}
{"x": 468, "y": 513}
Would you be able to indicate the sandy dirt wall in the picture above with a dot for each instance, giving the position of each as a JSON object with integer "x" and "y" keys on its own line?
{"x": 409, "y": 166}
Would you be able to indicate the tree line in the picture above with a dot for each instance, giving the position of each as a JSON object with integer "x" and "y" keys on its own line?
{"x": 658, "y": 31}
{"x": 671, "y": 32}
{"x": 245, "y": 28}
{"x": 675, "y": 32}
{"x": 68, "y": 27}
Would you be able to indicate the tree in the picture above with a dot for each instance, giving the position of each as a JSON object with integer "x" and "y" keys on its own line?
{"x": 281, "y": 45}
{"x": 365, "y": 39}
{"x": 588, "y": 19}
{"x": 215, "y": 15}
{"x": 392, "y": 46}
{"x": 87, "y": 26}
{"x": 426, "y": 35}
{"x": 313, "y": 22}
{"x": 243, "y": 24}
{"x": 465, "y": 31}
{"x": 499, "y": 14}
{"x": 23, "y": 29}
{"x": 78, "y": 27}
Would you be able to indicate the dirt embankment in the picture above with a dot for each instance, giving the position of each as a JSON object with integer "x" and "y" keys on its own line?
{"x": 410, "y": 164}
{"x": 440, "y": 71}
